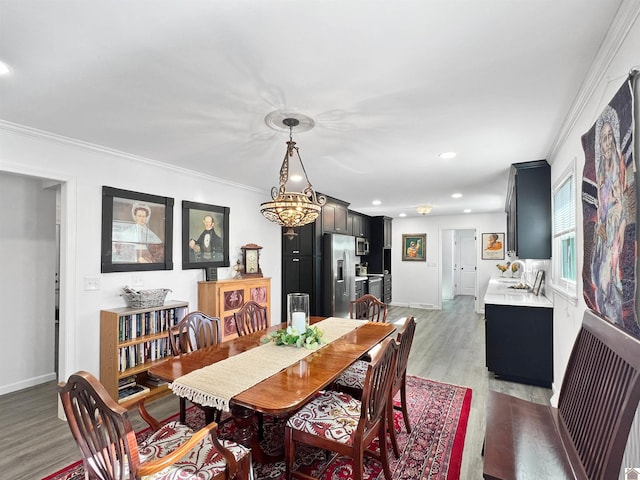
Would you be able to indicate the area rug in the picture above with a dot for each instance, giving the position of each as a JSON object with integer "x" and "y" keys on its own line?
{"x": 433, "y": 451}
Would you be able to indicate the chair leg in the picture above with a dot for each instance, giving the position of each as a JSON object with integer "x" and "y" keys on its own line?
{"x": 392, "y": 430}
{"x": 183, "y": 410}
{"x": 260, "y": 426}
{"x": 384, "y": 454}
{"x": 289, "y": 452}
{"x": 358, "y": 464}
{"x": 403, "y": 403}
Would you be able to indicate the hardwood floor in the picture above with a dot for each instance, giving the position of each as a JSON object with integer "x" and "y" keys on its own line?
{"x": 448, "y": 346}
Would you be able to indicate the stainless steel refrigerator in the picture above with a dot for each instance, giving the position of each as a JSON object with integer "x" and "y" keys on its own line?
{"x": 339, "y": 257}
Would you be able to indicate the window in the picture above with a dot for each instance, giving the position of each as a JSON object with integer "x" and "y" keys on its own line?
{"x": 564, "y": 234}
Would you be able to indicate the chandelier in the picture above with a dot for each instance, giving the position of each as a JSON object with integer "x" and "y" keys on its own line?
{"x": 292, "y": 208}
{"x": 423, "y": 209}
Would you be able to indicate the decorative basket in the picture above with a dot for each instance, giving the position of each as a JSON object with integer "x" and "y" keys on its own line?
{"x": 145, "y": 298}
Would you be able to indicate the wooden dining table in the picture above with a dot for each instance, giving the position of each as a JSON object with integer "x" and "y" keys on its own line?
{"x": 287, "y": 390}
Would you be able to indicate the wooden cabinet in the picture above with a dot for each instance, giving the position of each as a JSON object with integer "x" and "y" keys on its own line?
{"x": 386, "y": 288}
{"x": 225, "y": 297}
{"x": 304, "y": 243}
{"x": 361, "y": 288}
{"x": 133, "y": 339}
{"x": 528, "y": 209}
{"x": 519, "y": 343}
{"x": 379, "y": 258}
{"x": 334, "y": 216}
{"x": 359, "y": 225}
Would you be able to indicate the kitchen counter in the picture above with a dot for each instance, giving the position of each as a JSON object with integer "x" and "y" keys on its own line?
{"x": 499, "y": 293}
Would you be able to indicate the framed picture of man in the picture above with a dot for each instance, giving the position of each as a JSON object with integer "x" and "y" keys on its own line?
{"x": 137, "y": 231}
{"x": 493, "y": 246}
{"x": 205, "y": 235}
{"x": 414, "y": 247}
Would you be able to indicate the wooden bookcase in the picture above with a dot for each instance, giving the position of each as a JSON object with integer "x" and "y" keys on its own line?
{"x": 133, "y": 339}
{"x": 225, "y": 297}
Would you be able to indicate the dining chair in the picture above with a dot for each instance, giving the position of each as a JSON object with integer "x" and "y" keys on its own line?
{"x": 353, "y": 378}
{"x": 110, "y": 450}
{"x": 342, "y": 424}
{"x": 196, "y": 330}
{"x": 251, "y": 318}
{"x": 368, "y": 307}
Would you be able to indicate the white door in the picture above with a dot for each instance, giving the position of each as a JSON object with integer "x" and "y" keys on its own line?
{"x": 466, "y": 262}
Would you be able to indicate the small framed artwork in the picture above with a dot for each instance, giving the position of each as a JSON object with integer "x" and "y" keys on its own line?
{"x": 205, "y": 236}
{"x": 137, "y": 231}
{"x": 493, "y": 246}
{"x": 414, "y": 247}
{"x": 537, "y": 284}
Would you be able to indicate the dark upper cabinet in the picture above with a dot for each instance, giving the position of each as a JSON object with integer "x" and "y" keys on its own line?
{"x": 528, "y": 209}
{"x": 301, "y": 244}
{"x": 359, "y": 225}
{"x": 379, "y": 258}
{"x": 334, "y": 216}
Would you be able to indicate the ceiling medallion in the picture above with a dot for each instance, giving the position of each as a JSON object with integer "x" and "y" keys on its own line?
{"x": 291, "y": 208}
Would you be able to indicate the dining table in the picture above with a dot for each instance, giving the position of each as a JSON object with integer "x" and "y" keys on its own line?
{"x": 284, "y": 391}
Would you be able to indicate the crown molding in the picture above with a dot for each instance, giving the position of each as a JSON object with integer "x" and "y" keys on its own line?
{"x": 93, "y": 148}
{"x": 625, "y": 18}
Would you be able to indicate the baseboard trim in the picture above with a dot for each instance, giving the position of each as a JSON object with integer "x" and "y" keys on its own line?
{"x": 26, "y": 383}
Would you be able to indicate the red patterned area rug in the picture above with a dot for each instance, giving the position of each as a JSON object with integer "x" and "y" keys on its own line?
{"x": 438, "y": 414}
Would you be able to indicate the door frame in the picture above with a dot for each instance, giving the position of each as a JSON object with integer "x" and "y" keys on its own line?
{"x": 476, "y": 302}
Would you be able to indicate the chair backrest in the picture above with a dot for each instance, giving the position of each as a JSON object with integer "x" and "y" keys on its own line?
{"x": 101, "y": 428}
{"x": 368, "y": 307}
{"x": 599, "y": 396}
{"x": 405, "y": 340}
{"x": 196, "y": 330}
{"x": 251, "y": 318}
{"x": 377, "y": 384}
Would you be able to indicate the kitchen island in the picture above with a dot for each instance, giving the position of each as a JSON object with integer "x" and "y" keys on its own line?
{"x": 518, "y": 333}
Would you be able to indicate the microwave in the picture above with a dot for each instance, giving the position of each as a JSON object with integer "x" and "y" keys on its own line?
{"x": 362, "y": 246}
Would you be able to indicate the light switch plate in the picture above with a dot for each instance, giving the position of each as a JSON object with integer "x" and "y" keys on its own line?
{"x": 92, "y": 283}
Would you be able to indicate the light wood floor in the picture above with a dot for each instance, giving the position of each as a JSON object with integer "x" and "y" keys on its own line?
{"x": 448, "y": 347}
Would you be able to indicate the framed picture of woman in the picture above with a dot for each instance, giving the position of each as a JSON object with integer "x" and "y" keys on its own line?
{"x": 414, "y": 247}
{"x": 493, "y": 246}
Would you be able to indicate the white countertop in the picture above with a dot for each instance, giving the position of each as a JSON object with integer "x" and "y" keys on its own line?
{"x": 499, "y": 293}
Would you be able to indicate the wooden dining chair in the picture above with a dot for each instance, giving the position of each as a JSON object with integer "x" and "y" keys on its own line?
{"x": 340, "y": 423}
{"x": 196, "y": 330}
{"x": 368, "y": 307}
{"x": 251, "y": 318}
{"x": 352, "y": 380}
{"x": 110, "y": 450}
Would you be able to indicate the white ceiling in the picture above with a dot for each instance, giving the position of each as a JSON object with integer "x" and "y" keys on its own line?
{"x": 390, "y": 85}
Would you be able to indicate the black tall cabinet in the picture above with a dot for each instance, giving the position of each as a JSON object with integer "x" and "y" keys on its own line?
{"x": 528, "y": 209}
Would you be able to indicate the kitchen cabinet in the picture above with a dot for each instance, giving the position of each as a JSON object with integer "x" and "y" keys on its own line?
{"x": 223, "y": 298}
{"x": 528, "y": 209}
{"x": 379, "y": 258}
{"x": 334, "y": 216}
{"x": 386, "y": 288}
{"x": 304, "y": 243}
{"x": 359, "y": 225}
{"x": 519, "y": 343}
{"x": 361, "y": 287}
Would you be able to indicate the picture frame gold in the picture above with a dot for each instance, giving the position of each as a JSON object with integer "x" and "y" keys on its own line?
{"x": 414, "y": 247}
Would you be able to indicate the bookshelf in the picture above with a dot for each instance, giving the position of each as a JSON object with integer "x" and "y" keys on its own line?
{"x": 131, "y": 341}
{"x": 225, "y": 297}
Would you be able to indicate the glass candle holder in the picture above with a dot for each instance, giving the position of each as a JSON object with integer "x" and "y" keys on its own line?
{"x": 298, "y": 311}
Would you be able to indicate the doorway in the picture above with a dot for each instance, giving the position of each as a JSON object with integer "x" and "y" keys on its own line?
{"x": 459, "y": 263}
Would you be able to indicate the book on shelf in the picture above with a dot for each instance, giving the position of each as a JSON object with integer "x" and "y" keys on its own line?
{"x": 129, "y": 393}
{"x": 126, "y": 382}
{"x": 154, "y": 381}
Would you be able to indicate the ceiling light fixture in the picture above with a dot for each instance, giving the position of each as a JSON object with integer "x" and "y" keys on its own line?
{"x": 446, "y": 155}
{"x": 457, "y": 195}
{"x": 376, "y": 202}
{"x": 467, "y": 210}
{"x": 5, "y": 69}
{"x": 292, "y": 208}
{"x": 423, "y": 209}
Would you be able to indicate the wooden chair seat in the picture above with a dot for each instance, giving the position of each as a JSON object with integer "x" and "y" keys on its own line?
{"x": 337, "y": 422}
{"x": 109, "y": 447}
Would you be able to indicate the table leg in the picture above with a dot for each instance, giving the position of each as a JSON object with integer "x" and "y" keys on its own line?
{"x": 245, "y": 434}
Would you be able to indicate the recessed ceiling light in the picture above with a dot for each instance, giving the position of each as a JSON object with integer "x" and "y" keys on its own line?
{"x": 467, "y": 210}
{"x": 402, "y": 215}
{"x": 457, "y": 195}
{"x": 376, "y": 202}
{"x": 446, "y": 155}
{"x": 4, "y": 68}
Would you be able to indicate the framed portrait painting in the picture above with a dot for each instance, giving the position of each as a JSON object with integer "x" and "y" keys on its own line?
{"x": 414, "y": 247}
{"x": 205, "y": 236}
{"x": 493, "y": 246}
{"x": 137, "y": 231}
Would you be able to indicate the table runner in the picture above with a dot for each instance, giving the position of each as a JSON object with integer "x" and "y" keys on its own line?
{"x": 215, "y": 384}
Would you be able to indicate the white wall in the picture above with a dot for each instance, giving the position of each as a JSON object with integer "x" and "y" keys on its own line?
{"x": 27, "y": 256}
{"x": 84, "y": 169}
{"x": 418, "y": 283}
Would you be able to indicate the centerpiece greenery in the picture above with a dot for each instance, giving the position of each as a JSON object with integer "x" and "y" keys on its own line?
{"x": 311, "y": 338}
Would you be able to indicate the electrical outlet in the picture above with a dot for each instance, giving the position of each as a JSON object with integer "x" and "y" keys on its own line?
{"x": 92, "y": 283}
{"x": 137, "y": 281}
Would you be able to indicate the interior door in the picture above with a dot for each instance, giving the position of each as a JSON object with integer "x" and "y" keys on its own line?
{"x": 466, "y": 253}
